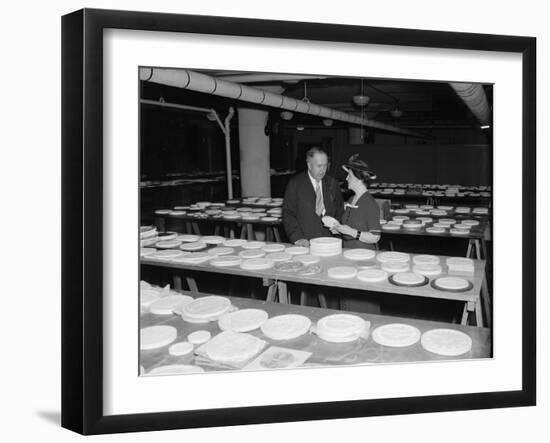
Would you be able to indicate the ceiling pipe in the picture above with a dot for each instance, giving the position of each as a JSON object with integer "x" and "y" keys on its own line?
{"x": 183, "y": 78}
{"x": 475, "y": 98}
{"x": 252, "y": 78}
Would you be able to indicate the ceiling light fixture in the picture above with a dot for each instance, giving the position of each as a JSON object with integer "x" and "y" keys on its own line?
{"x": 361, "y": 99}
{"x": 287, "y": 115}
{"x": 396, "y": 112}
{"x": 327, "y": 122}
{"x": 485, "y": 126}
{"x": 300, "y": 127}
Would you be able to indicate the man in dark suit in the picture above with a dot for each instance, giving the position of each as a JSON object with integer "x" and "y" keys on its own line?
{"x": 309, "y": 196}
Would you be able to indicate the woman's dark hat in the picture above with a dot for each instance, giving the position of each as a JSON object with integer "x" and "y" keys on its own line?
{"x": 356, "y": 164}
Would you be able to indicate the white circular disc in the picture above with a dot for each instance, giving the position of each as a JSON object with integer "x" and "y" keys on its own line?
{"x": 226, "y": 260}
{"x": 459, "y": 231}
{"x": 166, "y": 254}
{"x": 396, "y": 335}
{"x": 400, "y": 217}
{"x": 286, "y": 327}
{"x": 168, "y": 244}
{"x": 147, "y": 296}
{"x": 427, "y": 270}
{"x": 274, "y": 247}
{"x": 393, "y": 256}
{"x": 194, "y": 257}
{"x": 212, "y": 239}
{"x": 408, "y": 278}
{"x": 372, "y": 275}
{"x": 193, "y": 246}
{"x": 446, "y": 221}
{"x": 167, "y": 236}
{"x": 188, "y": 238}
{"x": 163, "y": 211}
{"x": 199, "y": 337}
{"x": 234, "y": 242}
{"x": 167, "y": 305}
{"x": 253, "y": 245}
{"x": 144, "y": 252}
{"x": 297, "y": 250}
{"x": 220, "y": 250}
{"x": 359, "y": 254}
{"x": 251, "y": 253}
{"x": 470, "y": 222}
{"x": 452, "y": 283}
{"x": 441, "y": 225}
{"x": 180, "y": 349}
{"x": 243, "y": 320}
{"x": 425, "y": 259}
{"x": 390, "y": 227}
{"x": 329, "y": 222}
{"x": 447, "y": 342}
{"x": 340, "y": 326}
{"x": 289, "y": 266}
{"x": 229, "y": 347}
{"x": 207, "y": 308}
{"x": 342, "y": 272}
{"x": 435, "y": 230}
{"x": 154, "y": 337}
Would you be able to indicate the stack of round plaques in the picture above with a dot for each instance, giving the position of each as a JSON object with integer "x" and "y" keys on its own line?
{"x": 163, "y": 211}
{"x": 412, "y": 224}
{"x": 340, "y": 328}
{"x": 447, "y": 221}
{"x": 463, "y": 226}
{"x": 408, "y": 279}
{"x": 180, "y": 349}
{"x": 460, "y": 264}
{"x": 250, "y": 217}
{"x": 447, "y": 342}
{"x": 372, "y": 275}
{"x": 269, "y": 219}
{"x": 438, "y": 212}
{"x": 425, "y": 220}
{"x": 426, "y": 207}
{"x": 178, "y": 212}
{"x": 342, "y": 272}
{"x": 147, "y": 232}
{"x": 257, "y": 264}
{"x": 278, "y": 256}
{"x": 218, "y": 204}
{"x": 148, "y": 241}
{"x": 243, "y": 320}
{"x": 435, "y": 230}
{"x": 456, "y": 231}
{"x": 213, "y": 211}
{"x": 274, "y": 247}
{"x": 462, "y": 210}
{"x": 440, "y": 225}
{"x": 188, "y": 238}
{"x": 286, "y": 327}
{"x": 307, "y": 259}
{"x": 195, "y": 258}
{"x": 325, "y": 246}
{"x": 233, "y": 347}
{"x": 253, "y": 245}
{"x": 203, "y": 204}
{"x": 289, "y": 266}
{"x": 391, "y": 227}
{"x": 205, "y": 309}
{"x": 168, "y": 254}
{"x": 234, "y": 242}
{"x": 400, "y": 218}
{"x": 144, "y": 252}
{"x": 251, "y": 253}
{"x": 258, "y": 210}
{"x": 427, "y": 270}
{"x": 393, "y": 256}
{"x": 401, "y": 211}
{"x": 168, "y": 244}
{"x": 226, "y": 260}
{"x": 297, "y": 250}
{"x": 445, "y": 208}
{"x": 244, "y": 209}
{"x": 359, "y": 254}
{"x": 213, "y": 239}
{"x": 193, "y": 246}
{"x": 154, "y": 337}
{"x": 168, "y": 235}
{"x": 167, "y": 305}
{"x": 452, "y": 284}
{"x": 228, "y": 216}
{"x": 396, "y": 335}
{"x": 470, "y": 222}
{"x": 395, "y": 267}
{"x": 221, "y": 250}
{"x": 199, "y": 337}
{"x": 425, "y": 259}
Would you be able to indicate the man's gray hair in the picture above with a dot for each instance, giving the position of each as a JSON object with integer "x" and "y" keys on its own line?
{"x": 315, "y": 150}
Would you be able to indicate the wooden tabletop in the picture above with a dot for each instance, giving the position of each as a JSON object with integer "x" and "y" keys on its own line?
{"x": 323, "y": 279}
{"x": 361, "y": 351}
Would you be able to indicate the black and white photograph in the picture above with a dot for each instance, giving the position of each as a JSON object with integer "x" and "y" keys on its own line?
{"x": 292, "y": 220}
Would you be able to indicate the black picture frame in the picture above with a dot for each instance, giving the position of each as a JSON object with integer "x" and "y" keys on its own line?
{"x": 82, "y": 215}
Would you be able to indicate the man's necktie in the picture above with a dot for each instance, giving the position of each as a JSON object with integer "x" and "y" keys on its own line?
{"x": 319, "y": 205}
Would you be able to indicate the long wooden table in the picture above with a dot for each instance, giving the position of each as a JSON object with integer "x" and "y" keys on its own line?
{"x": 361, "y": 351}
{"x": 277, "y": 280}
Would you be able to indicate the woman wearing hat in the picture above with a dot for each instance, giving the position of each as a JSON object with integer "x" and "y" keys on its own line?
{"x": 361, "y": 219}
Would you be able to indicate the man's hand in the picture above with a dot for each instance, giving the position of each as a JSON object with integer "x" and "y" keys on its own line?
{"x": 302, "y": 242}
